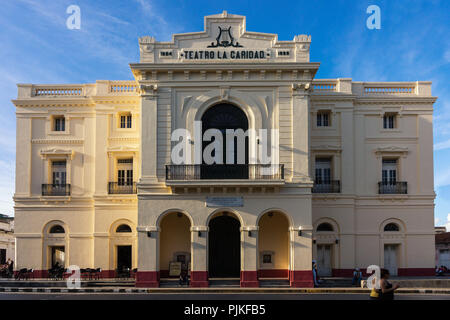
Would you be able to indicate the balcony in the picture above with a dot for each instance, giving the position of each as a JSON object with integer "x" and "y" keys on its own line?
{"x": 116, "y": 188}
{"x": 55, "y": 189}
{"x": 332, "y": 186}
{"x": 234, "y": 173}
{"x": 392, "y": 187}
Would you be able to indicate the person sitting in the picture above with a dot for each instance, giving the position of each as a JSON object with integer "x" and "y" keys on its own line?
{"x": 357, "y": 277}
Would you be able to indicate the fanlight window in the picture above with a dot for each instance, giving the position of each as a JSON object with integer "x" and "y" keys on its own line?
{"x": 325, "y": 227}
{"x": 123, "y": 228}
{"x": 57, "y": 229}
{"x": 391, "y": 227}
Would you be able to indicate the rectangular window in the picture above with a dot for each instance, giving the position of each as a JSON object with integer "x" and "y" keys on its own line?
{"x": 125, "y": 172}
{"x": 323, "y": 119}
{"x": 59, "y": 172}
{"x": 125, "y": 121}
{"x": 323, "y": 171}
{"x": 389, "y": 171}
{"x": 389, "y": 121}
{"x": 59, "y": 124}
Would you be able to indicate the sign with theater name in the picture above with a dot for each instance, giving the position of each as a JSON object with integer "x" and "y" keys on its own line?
{"x": 224, "y": 54}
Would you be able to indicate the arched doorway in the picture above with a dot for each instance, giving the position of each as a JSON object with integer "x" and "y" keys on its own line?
{"x": 55, "y": 245}
{"x": 273, "y": 245}
{"x": 224, "y": 247}
{"x": 175, "y": 244}
{"x": 222, "y": 117}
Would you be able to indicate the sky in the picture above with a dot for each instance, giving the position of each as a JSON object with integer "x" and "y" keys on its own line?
{"x": 412, "y": 44}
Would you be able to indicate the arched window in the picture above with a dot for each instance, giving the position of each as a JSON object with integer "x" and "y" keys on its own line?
{"x": 233, "y": 164}
{"x": 123, "y": 228}
{"x": 391, "y": 227}
{"x": 57, "y": 229}
{"x": 325, "y": 227}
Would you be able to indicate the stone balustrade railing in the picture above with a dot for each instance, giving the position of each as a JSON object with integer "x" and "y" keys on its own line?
{"x": 389, "y": 90}
{"x": 58, "y": 91}
{"x": 319, "y": 86}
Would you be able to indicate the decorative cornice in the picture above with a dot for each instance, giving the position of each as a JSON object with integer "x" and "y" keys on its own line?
{"x": 391, "y": 150}
{"x": 45, "y": 153}
{"x": 57, "y": 141}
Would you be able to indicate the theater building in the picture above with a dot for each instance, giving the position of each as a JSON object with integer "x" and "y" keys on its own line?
{"x": 349, "y": 183}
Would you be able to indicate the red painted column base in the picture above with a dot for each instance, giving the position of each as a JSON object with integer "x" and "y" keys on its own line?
{"x": 199, "y": 279}
{"x": 147, "y": 279}
{"x": 301, "y": 278}
{"x": 249, "y": 279}
{"x": 416, "y": 272}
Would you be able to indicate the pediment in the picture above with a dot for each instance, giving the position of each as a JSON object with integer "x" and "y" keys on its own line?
{"x": 224, "y": 38}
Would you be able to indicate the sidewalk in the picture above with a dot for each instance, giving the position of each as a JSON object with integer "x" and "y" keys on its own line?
{"x": 187, "y": 290}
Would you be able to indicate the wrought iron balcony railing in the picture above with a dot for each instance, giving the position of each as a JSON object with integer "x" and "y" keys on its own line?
{"x": 331, "y": 186}
{"x": 225, "y": 171}
{"x": 116, "y": 188}
{"x": 56, "y": 189}
{"x": 392, "y": 187}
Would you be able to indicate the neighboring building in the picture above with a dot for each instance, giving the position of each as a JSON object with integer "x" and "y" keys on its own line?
{"x": 7, "y": 240}
{"x": 443, "y": 249}
{"x": 351, "y": 184}
{"x": 440, "y": 229}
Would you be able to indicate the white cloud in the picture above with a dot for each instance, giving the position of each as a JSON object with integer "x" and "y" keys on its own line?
{"x": 442, "y": 179}
{"x": 447, "y": 55}
{"x": 442, "y": 145}
{"x": 436, "y": 221}
{"x": 447, "y": 224}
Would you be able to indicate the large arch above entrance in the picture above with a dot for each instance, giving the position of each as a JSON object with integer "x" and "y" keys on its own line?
{"x": 232, "y": 163}
{"x": 174, "y": 244}
{"x": 224, "y": 246}
{"x": 273, "y": 245}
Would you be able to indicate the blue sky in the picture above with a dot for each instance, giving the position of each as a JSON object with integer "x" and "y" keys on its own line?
{"x": 412, "y": 44}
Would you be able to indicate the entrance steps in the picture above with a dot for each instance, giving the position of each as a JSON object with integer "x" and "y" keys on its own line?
{"x": 274, "y": 283}
{"x": 45, "y": 283}
{"x": 224, "y": 282}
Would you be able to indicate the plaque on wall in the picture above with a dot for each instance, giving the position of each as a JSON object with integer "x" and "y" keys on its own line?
{"x": 217, "y": 202}
{"x": 174, "y": 269}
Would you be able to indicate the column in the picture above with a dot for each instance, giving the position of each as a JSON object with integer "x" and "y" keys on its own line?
{"x": 149, "y": 133}
{"x": 300, "y": 134}
{"x": 148, "y": 264}
{"x": 300, "y": 271}
{"x": 199, "y": 268}
{"x": 249, "y": 256}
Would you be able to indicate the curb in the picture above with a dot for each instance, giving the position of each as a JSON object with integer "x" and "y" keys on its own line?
{"x": 220, "y": 290}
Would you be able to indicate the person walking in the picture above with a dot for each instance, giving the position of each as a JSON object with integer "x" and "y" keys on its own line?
{"x": 10, "y": 268}
{"x": 386, "y": 290}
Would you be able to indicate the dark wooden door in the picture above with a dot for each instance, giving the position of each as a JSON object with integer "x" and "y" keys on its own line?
{"x": 224, "y": 248}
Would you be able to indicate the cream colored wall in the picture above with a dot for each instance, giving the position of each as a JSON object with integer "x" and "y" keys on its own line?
{"x": 175, "y": 236}
{"x": 273, "y": 235}
{"x": 90, "y": 211}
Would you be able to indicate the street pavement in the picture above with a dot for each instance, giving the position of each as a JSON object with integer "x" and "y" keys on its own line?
{"x": 209, "y": 296}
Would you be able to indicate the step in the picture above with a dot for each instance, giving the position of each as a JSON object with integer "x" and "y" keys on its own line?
{"x": 41, "y": 283}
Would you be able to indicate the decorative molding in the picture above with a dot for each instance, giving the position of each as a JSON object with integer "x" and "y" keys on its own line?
{"x": 57, "y": 152}
{"x": 391, "y": 150}
{"x": 57, "y": 141}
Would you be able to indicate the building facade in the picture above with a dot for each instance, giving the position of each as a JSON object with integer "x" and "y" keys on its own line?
{"x": 7, "y": 240}
{"x": 443, "y": 249}
{"x": 349, "y": 179}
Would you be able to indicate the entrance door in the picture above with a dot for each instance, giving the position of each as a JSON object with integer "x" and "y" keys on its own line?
{"x": 123, "y": 257}
{"x": 390, "y": 258}
{"x": 324, "y": 260}
{"x": 224, "y": 248}
{"x": 58, "y": 256}
{"x": 2, "y": 256}
{"x": 223, "y": 117}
